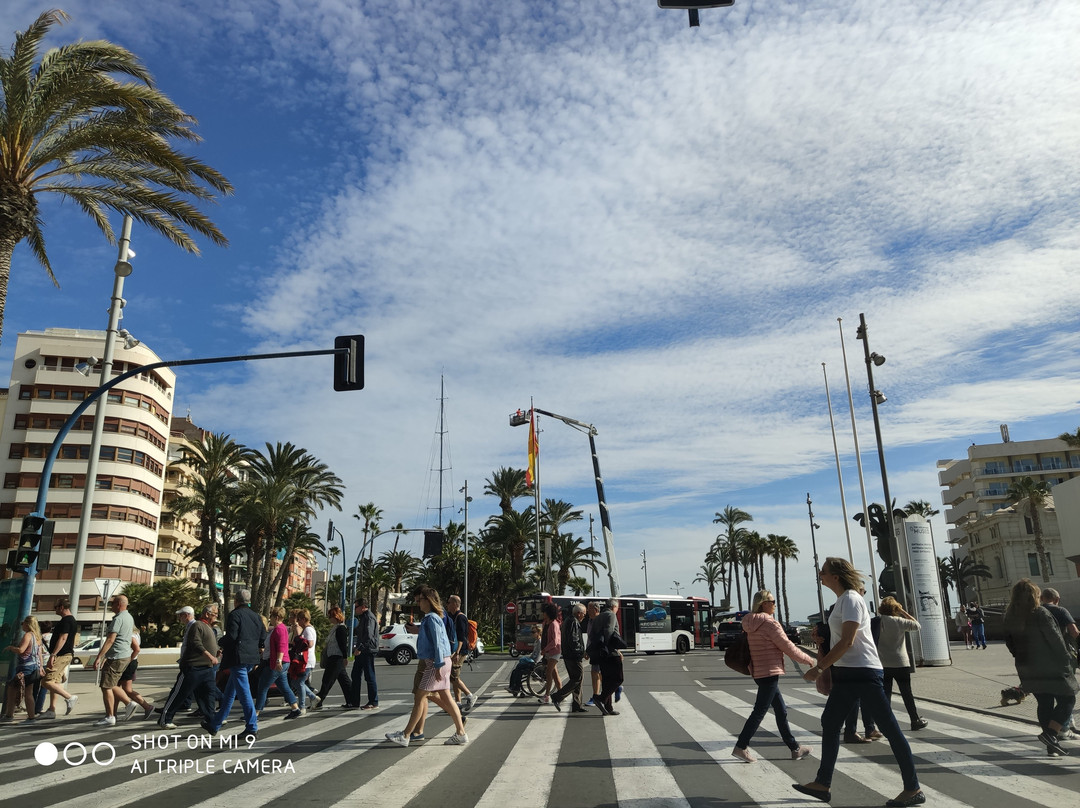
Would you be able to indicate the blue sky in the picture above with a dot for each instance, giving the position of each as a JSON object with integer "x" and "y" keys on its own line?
{"x": 643, "y": 226}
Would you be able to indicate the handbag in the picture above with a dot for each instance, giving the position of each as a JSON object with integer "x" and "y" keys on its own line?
{"x": 616, "y": 642}
{"x": 737, "y": 656}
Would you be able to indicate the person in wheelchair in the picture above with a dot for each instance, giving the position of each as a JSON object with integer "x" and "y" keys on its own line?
{"x": 525, "y": 666}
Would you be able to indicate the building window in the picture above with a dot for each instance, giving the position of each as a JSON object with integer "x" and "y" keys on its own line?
{"x": 1033, "y": 565}
{"x": 1000, "y": 570}
{"x": 1029, "y": 526}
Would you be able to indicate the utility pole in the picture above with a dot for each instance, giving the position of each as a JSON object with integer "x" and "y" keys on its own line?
{"x": 645, "y": 566}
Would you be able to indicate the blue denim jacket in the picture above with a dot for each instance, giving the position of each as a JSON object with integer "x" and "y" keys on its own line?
{"x": 432, "y": 642}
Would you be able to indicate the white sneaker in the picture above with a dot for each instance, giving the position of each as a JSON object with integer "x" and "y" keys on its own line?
{"x": 457, "y": 739}
{"x": 129, "y": 710}
{"x": 70, "y": 704}
{"x": 468, "y": 702}
{"x": 397, "y": 737}
{"x": 169, "y": 725}
{"x": 47, "y": 715}
{"x": 107, "y": 721}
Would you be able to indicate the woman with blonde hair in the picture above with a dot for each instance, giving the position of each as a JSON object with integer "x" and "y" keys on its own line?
{"x": 768, "y": 645}
{"x": 433, "y": 649}
{"x": 856, "y": 675}
{"x": 1043, "y": 661}
{"x": 895, "y": 624}
{"x": 28, "y": 669}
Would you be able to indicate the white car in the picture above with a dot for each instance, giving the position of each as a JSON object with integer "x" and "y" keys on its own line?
{"x": 398, "y": 646}
{"x": 85, "y": 651}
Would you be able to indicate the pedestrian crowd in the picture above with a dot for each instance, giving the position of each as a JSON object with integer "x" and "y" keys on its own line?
{"x": 859, "y": 659}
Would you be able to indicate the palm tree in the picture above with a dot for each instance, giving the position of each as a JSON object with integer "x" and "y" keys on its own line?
{"x": 756, "y": 547}
{"x": 1071, "y": 438}
{"x": 947, "y": 577}
{"x": 554, "y": 515}
{"x": 788, "y": 549}
{"x": 506, "y": 484}
{"x": 920, "y": 507}
{"x": 712, "y": 573}
{"x": 370, "y": 515}
{"x": 567, "y": 554}
{"x": 775, "y": 547}
{"x": 579, "y": 587}
{"x": 398, "y": 565}
{"x": 70, "y": 126}
{"x": 1035, "y": 495}
{"x": 965, "y": 570}
{"x": 731, "y": 518}
{"x": 512, "y": 531}
{"x": 215, "y": 464}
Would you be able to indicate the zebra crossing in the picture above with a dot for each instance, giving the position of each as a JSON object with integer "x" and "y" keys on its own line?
{"x": 668, "y": 748}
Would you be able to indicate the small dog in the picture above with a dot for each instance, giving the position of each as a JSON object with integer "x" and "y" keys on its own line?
{"x": 1012, "y": 695}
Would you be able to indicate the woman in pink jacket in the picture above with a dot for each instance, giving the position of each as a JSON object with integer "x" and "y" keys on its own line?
{"x": 768, "y": 644}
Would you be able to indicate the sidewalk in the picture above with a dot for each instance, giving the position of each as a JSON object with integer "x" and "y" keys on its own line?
{"x": 974, "y": 682}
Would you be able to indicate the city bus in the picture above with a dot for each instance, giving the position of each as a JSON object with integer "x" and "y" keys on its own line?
{"x": 648, "y": 623}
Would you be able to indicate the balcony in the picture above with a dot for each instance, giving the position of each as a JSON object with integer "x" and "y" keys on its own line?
{"x": 962, "y": 511}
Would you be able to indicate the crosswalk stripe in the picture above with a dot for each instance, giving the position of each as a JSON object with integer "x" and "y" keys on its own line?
{"x": 326, "y": 760}
{"x": 1033, "y": 788}
{"x": 431, "y": 759}
{"x": 885, "y": 780}
{"x": 539, "y": 744}
{"x": 140, "y": 788}
{"x": 763, "y": 782}
{"x": 641, "y": 777}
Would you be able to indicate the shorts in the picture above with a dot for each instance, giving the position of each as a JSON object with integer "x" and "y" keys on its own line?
{"x": 455, "y": 670}
{"x": 112, "y": 670}
{"x": 129, "y": 672}
{"x": 59, "y": 669}
{"x": 418, "y": 677}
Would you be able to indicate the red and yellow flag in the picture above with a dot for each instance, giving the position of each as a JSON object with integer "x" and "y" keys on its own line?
{"x": 534, "y": 451}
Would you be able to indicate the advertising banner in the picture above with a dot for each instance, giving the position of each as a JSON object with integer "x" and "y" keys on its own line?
{"x": 931, "y": 643}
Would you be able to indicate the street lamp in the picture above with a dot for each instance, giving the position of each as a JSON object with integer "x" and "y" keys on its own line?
{"x": 876, "y": 397}
{"x": 121, "y": 270}
{"x": 468, "y": 499}
{"x": 817, "y": 568}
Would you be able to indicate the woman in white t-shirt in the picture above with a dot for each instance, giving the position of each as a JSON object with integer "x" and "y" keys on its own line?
{"x": 856, "y": 675}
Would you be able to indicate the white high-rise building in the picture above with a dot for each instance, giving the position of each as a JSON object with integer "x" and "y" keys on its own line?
{"x": 45, "y": 389}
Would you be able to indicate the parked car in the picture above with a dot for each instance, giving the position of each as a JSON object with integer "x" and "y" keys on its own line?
{"x": 86, "y": 650}
{"x": 397, "y": 645}
{"x": 726, "y": 633}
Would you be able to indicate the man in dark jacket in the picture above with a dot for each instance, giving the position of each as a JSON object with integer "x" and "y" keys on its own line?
{"x": 198, "y": 658}
{"x": 601, "y": 650}
{"x": 365, "y": 649}
{"x": 245, "y": 635}
{"x": 573, "y": 651}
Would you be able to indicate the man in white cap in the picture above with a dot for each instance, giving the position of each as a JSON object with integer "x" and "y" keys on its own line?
{"x": 198, "y": 656}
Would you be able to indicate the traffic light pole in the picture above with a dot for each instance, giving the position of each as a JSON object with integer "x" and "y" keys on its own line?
{"x": 344, "y": 352}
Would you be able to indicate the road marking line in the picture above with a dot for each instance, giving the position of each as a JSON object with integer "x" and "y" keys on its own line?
{"x": 539, "y": 744}
{"x": 641, "y": 776}
{"x": 698, "y": 683}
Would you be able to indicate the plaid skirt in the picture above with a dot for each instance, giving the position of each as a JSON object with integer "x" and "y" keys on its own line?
{"x": 429, "y": 682}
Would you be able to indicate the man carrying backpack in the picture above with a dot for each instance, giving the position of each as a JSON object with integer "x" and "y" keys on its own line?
{"x": 460, "y": 649}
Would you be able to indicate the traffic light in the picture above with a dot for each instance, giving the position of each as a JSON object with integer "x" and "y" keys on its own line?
{"x": 349, "y": 364}
{"x": 26, "y": 553}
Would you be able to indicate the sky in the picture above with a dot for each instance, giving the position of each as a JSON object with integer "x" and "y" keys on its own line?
{"x": 660, "y": 230}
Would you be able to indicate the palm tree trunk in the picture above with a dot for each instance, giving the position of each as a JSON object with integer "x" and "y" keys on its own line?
{"x": 1040, "y": 548}
{"x": 783, "y": 585}
{"x": 776, "y": 594}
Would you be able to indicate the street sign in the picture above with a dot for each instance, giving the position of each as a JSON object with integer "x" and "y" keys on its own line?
{"x": 106, "y": 587}
{"x": 511, "y": 607}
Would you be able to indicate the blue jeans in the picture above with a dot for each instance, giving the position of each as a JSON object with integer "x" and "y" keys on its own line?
{"x": 768, "y": 695}
{"x": 364, "y": 668}
{"x": 865, "y": 685}
{"x": 267, "y": 677}
{"x": 302, "y": 688}
{"x": 978, "y": 634}
{"x": 237, "y": 688}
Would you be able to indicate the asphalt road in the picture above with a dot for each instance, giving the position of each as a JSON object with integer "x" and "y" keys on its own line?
{"x": 670, "y": 746}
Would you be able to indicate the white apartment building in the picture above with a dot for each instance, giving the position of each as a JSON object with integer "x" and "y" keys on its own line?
{"x": 984, "y": 522}
{"x": 44, "y": 390}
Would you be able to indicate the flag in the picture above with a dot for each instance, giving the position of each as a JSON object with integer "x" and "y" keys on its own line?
{"x": 534, "y": 452}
